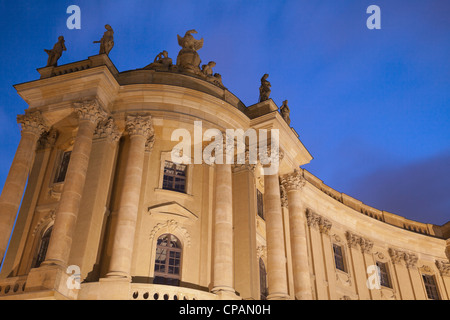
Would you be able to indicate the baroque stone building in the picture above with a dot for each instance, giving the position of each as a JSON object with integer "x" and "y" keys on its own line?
{"x": 103, "y": 204}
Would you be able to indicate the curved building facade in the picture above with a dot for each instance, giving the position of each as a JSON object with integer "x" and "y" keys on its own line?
{"x": 107, "y": 214}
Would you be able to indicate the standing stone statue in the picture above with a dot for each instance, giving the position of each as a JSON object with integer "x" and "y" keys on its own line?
{"x": 264, "y": 89}
{"x": 284, "y": 110}
{"x": 55, "y": 53}
{"x": 188, "y": 59}
{"x": 107, "y": 41}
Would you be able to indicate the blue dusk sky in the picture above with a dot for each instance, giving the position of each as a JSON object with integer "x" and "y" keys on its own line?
{"x": 371, "y": 106}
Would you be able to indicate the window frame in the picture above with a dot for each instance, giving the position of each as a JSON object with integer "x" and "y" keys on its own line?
{"x": 385, "y": 272}
{"x": 344, "y": 264}
{"x": 166, "y": 275}
{"x": 175, "y": 176}
{"x": 434, "y": 286}
{"x": 58, "y": 166}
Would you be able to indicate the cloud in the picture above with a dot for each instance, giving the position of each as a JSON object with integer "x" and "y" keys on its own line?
{"x": 418, "y": 191}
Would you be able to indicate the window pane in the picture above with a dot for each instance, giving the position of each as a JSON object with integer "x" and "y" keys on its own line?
{"x": 62, "y": 168}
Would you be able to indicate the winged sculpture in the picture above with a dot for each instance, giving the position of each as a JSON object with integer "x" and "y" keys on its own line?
{"x": 189, "y": 42}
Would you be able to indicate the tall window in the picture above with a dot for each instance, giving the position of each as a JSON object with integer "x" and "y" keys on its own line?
{"x": 174, "y": 176}
{"x": 260, "y": 203}
{"x": 262, "y": 280}
{"x": 384, "y": 274}
{"x": 168, "y": 260}
{"x": 339, "y": 257}
{"x": 60, "y": 175}
{"x": 430, "y": 286}
{"x": 43, "y": 247}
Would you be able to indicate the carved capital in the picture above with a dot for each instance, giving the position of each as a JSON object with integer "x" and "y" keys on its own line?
{"x": 32, "y": 122}
{"x": 90, "y": 110}
{"x": 316, "y": 221}
{"x": 411, "y": 260}
{"x": 283, "y": 196}
{"x": 261, "y": 251}
{"x": 107, "y": 129}
{"x": 397, "y": 256}
{"x": 150, "y": 143}
{"x": 443, "y": 267}
{"x": 48, "y": 139}
{"x": 247, "y": 166}
{"x": 139, "y": 125}
{"x": 293, "y": 181}
{"x": 355, "y": 240}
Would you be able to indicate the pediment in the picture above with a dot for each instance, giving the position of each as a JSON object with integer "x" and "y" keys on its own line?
{"x": 172, "y": 208}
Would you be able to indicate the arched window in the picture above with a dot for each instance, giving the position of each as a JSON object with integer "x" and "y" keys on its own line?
{"x": 43, "y": 247}
{"x": 262, "y": 280}
{"x": 168, "y": 260}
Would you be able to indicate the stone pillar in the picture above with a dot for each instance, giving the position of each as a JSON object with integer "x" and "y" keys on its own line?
{"x": 276, "y": 255}
{"x": 223, "y": 230}
{"x": 32, "y": 127}
{"x": 140, "y": 129}
{"x": 60, "y": 244}
{"x": 293, "y": 183}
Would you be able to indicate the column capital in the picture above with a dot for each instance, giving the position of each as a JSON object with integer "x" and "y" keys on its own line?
{"x": 32, "y": 122}
{"x": 90, "y": 110}
{"x": 317, "y": 221}
{"x": 354, "y": 240}
{"x": 293, "y": 181}
{"x": 245, "y": 166}
{"x": 107, "y": 129}
{"x": 409, "y": 258}
{"x": 443, "y": 267}
{"x": 139, "y": 125}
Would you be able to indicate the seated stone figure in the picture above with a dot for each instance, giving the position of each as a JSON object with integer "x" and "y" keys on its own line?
{"x": 162, "y": 62}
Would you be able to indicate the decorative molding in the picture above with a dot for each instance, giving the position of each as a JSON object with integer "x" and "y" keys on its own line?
{"x": 90, "y": 110}
{"x": 107, "y": 129}
{"x": 443, "y": 267}
{"x": 293, "y": 181}
{"x": 247, "y": 166}
{"x": 171, "y": 226}
{"x": 32, "y": 122}
{"x": 355, "y": 240}
{"x": 317, "y": 221}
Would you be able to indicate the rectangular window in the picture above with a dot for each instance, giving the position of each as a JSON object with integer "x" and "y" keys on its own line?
{"x": 339, "y": 257}
{"x": 384, "y": 275}
{"x": 430, "y": 286}
{"x": 60, "y": 175}
{"x": 260, "y": 203}
{"x": 174, "y": 177}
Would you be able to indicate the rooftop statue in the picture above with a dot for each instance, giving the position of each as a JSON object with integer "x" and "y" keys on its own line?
{"x": 264, "y": 89}
{"x": 107, "y": 41}
{"x": 207, "y": 68}
{"x": 188, "y": 59}
{"x": 284, "y": 110}
{"x": 162, "y": 62}
{"x": 55, "y": 53}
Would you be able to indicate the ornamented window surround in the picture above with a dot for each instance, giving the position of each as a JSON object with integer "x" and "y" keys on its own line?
{"x": 429, "y": 271}
{"x": 336, "y": 240}
{"x": 384, "y": 258}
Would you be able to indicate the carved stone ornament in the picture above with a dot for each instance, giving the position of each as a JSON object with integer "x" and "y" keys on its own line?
{"x": 283, "y": 196}
{"x": 397, "y": 256}
{"x": 107, "y": 129}
{"x": 293, "y": 181}
{"x": 443, "y": 267}
{"x": 188, "y": 59}
{"x": 48, "y": 139}
{"x": 171, "y": 226}
{"x": 32, "y": 122}
{"x": 317, "y": 221}
{"x": 90, "y": 110}
{"x": 261, "y": 251}
{"x": 56, "y": 52}
{"x": 247, "y": 166}
{"x": 139, "y": 125}
{"x": 50, "y": 216}
{"x": 355, "y": 240}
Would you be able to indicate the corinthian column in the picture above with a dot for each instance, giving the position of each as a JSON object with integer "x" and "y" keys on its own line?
{"x": 60, "y": 244}
{"x": 293, "y": 183}
{"x": 223, "y": 228}
{"x": 140, "y": 130}
{"x": 276, "y": 256}
{"x": 32, "y": 127}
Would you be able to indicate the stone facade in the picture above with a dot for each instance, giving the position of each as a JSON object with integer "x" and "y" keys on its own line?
{"x": 112, "y": 207}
